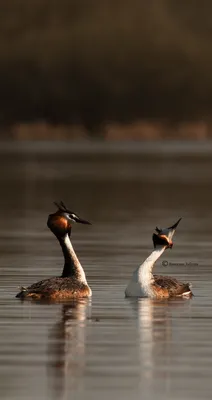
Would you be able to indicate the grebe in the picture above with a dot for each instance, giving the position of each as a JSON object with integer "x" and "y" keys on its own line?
{"x": 145, "y": 284}
{"x": 72, "y": 284}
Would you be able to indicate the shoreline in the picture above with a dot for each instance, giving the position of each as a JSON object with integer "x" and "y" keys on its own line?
{"x": 138, "y": 130}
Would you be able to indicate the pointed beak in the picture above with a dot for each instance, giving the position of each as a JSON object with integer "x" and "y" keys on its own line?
{"x": 171, "y": 229}
{"x": 175, "y": 225}
{"x": 82, "y": 221}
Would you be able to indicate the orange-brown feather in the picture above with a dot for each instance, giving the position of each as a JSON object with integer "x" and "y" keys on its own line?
{"x": 60, "y": 221}
{"x": 67, "y": 294}
{"x": 165, "y": 287}
{"x": 159, "y": 292}
{"x": 58, "y": 224}
{"x": 36, "y": 296}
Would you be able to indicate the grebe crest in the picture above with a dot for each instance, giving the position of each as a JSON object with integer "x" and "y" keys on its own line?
{"x": 72, "y": 283}
{"x": 145, "y": 284}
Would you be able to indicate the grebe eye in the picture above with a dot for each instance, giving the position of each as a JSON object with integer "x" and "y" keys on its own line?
{"x": 72, "y": 216}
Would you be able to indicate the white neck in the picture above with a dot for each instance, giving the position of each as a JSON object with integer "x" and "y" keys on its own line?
{"x": 145, "y": 270}
{"x": 72, "y": 267}
{"x": 140, "y": 284}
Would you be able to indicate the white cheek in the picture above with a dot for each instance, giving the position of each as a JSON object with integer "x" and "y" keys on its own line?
{"x": 74, "y": 216}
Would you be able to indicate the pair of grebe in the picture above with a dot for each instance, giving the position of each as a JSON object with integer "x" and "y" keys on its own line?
{"x": 73, "y": 284}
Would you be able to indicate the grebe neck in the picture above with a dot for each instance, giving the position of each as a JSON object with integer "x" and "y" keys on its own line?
{"x": 72, "y": 266}
{"x": 141, "y": 283}
{"x": 145, "y": 270}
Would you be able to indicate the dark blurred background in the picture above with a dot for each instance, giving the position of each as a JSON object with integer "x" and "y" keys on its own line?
{"x": 73, "y": 72}
{"x": 90, "y": 64}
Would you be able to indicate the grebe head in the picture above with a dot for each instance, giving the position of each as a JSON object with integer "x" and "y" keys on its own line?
{"x": 60, "y": 222}
{"x": 163, "y": 237}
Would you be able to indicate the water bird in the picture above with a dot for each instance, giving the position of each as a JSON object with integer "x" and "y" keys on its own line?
{"x": 72, "y": 284}
{"x": 145, "y": 284}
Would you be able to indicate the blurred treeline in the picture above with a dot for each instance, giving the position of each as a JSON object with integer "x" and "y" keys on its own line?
{"x": 94, "y": 61}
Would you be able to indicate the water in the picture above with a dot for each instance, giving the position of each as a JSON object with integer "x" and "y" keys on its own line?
{"x": 107, "y": 347}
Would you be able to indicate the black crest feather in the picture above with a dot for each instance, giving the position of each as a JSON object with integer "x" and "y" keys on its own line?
{"x": 61, "y": 206}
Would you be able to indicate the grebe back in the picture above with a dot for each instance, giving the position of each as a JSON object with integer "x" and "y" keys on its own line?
{"x": 72, "y": 283}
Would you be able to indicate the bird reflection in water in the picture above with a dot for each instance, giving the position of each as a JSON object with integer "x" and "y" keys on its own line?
{"x": 67, "y": 347}
{"x": 157, "y": 342}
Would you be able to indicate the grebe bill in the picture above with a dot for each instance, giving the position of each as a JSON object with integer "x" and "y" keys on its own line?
{"x": 72, "y": 283}
{"x": 145, "y": 284}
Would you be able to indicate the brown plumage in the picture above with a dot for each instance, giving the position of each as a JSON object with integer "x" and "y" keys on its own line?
{"x": 56, "y": 288}
{"x": 166, "y": 287}
{"x": 72, "y": 284}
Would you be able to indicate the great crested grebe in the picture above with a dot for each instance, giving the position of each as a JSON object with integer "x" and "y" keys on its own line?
{"x": 145, "y": 284}
{"x": 72, "y": 284}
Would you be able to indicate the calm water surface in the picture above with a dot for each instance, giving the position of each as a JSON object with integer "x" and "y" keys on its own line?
{"x": 107, "y": 347}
